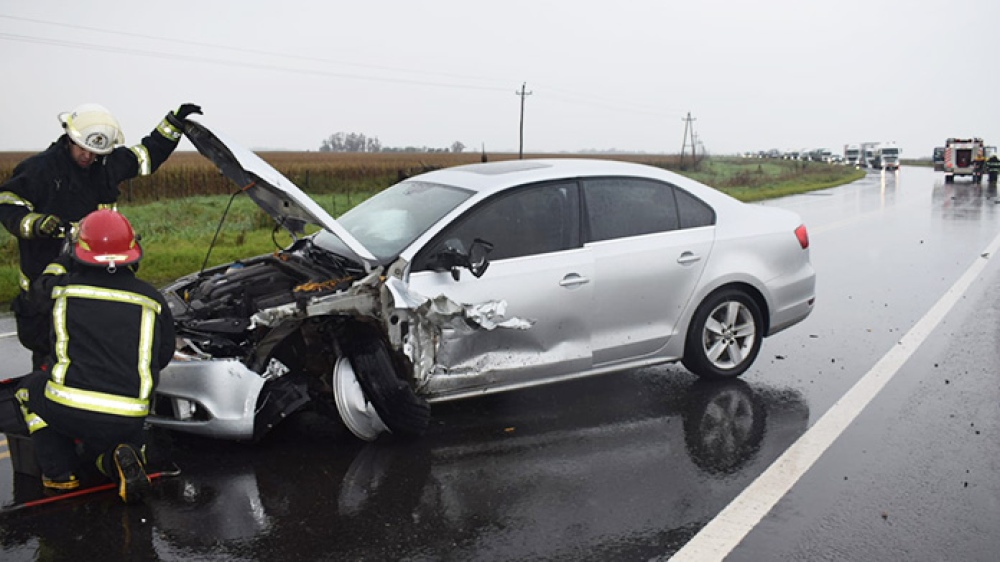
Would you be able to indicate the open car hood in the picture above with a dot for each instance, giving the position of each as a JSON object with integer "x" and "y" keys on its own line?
{"x": 273, "y": 192}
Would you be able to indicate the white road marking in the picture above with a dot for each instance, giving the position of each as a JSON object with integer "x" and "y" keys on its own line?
{"x": 8, "y": 335}
{"x": 722, "y": 534}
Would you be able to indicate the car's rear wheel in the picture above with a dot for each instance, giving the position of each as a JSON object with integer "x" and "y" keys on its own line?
{"x": 398, "y": 407}
{"x": 725, "y": 335}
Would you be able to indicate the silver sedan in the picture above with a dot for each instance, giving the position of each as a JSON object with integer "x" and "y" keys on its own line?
{"x": 471, "y": 280}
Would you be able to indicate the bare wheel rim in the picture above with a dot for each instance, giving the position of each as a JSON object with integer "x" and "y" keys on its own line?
{"x": 729, "y": 335}
{"x": 355, "y": 410}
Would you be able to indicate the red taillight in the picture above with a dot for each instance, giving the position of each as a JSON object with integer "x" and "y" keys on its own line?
{"x": 803, "y": 235}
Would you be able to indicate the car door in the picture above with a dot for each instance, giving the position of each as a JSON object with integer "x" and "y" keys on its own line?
{"x": 650, "y": 242}
{"x": 538, "y": 269}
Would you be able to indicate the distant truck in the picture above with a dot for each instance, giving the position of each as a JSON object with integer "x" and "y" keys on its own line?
{"x": 888, "y": 156}
{"x": 938, "y": 158}
{"x": 868, "y": 157}
{"x": 960, "y": 156}
{"x": 852, "y": 155}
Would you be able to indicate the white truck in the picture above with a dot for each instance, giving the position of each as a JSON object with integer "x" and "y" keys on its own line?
{"x": 869, "y": 159}
{"x": 888, "y": 156}
{"x": 960, "y": 157}
{"x": 852, "y": 155}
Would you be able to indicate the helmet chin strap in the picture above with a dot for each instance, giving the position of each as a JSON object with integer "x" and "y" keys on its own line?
{"x": 111, "y": 267}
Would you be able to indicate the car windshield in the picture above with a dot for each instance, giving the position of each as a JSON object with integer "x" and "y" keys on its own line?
{"x": 390, "y": 221}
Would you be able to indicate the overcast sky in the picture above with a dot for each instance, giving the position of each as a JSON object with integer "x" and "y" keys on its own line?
{"x": 784, "y": 74}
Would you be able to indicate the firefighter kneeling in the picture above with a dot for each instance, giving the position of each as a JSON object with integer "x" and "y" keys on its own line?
{"x": 111, "y": 335}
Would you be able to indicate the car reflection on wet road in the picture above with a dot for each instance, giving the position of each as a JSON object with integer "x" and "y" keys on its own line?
{"x": 615, "y": 464}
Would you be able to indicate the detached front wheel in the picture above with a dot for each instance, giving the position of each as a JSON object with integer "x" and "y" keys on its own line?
{"x": 397, "y": 407}
{"x": 725, "y": 335}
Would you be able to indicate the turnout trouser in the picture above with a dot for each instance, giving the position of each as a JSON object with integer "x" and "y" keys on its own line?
{"x": 66, "y": 438}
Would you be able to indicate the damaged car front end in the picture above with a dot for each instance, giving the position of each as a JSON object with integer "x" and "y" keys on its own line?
{"x": 317, "y": 325}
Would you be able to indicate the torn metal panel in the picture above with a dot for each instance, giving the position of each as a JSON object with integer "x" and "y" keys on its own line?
{"x": 439, "y": 327}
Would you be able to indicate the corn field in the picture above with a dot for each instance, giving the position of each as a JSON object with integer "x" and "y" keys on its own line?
{"x": 187, "y": 174}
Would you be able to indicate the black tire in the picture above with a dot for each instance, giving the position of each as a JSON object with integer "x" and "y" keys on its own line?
{"x": 729, "y": 318}
{"x": 401, "y": 410}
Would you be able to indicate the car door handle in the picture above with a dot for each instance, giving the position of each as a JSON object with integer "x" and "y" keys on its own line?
{"x": 572, "y": 280}
{"x": 688, "y": 258}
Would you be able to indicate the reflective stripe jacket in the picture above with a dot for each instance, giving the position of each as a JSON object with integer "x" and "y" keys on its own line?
{"x": 111, "y": 335}
{"x": 51, "y": 183}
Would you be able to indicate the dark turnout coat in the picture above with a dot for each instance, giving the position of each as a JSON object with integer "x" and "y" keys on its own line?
{"x": 111, "y": 335}
{"x": 51, "y": 183}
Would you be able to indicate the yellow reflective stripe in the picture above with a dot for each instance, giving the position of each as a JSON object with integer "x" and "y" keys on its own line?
{"x": 11, "y": 198}
{"x": 98, "y": 293}
{"x": 62, "y": 340}
{"x": 96, "y": 401}
{"x": 146, "y": 333}
{"x": 54, "y": 269}
{"x": 23, "y": 280}
{"x": 142, "y": 155}
{"x": 168, "y": 130}
{"x": 26, "y": 225}
{"x": 33, "y": 421}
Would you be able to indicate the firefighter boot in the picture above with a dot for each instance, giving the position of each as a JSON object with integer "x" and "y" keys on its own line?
{"x": 59, "y": 484}
{"x": 133, "y": 482}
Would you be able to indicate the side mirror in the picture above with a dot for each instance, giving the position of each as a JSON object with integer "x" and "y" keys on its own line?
{"x": 478, "y": 261}
{"x": 453, "y": 257}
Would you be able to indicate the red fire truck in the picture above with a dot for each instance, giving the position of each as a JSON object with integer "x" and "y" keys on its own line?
{"x": 960, "y": 157}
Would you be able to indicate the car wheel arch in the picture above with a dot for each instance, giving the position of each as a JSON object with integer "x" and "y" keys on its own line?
{"x": 694, "y": 355}
{"x": 746, "y": 287}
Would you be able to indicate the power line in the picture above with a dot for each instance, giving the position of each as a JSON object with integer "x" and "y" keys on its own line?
{"x": 256, "y": 52}
{"x": 617, "y": 105}
{"x": 230, "y": 63}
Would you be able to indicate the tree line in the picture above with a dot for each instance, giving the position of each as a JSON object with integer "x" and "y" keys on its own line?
{"x": 359, "y": 142}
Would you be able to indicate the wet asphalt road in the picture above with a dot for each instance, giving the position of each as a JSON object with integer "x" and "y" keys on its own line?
{"x": 632, "y": 466}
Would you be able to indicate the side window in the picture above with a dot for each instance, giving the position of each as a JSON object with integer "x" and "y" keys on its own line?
{"x": 526, "y": 221}
{"x": 693, "y": 211}
{"x": 622, "y": 207}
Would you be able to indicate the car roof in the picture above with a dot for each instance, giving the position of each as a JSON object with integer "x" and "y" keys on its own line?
{"x": 490, "y": 177}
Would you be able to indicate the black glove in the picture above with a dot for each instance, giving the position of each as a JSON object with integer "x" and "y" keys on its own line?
{"x": 177, "y": 116}
{"x": 45, "y": 226}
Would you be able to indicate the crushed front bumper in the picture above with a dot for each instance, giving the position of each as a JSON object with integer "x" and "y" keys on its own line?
{"x": 210, "y": 397}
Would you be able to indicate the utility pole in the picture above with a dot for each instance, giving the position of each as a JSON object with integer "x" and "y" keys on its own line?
{"x": 522, "y": 93}
{"x": 688, "y": 127}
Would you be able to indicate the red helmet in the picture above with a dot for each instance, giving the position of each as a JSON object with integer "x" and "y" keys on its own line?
{"x": 106, "y": 238}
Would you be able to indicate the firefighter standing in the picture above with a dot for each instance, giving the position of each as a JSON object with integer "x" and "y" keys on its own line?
{"x": 978, "y": 165}
{"x": 50, "y": 191}
{"x": 111, "y": 335}
{"x": 993, "y": 168}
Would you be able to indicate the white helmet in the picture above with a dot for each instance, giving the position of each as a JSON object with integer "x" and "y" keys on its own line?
{"x": 93, "y": 128}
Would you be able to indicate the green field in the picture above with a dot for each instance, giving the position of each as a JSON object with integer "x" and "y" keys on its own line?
{"x": 177, "y": 210}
